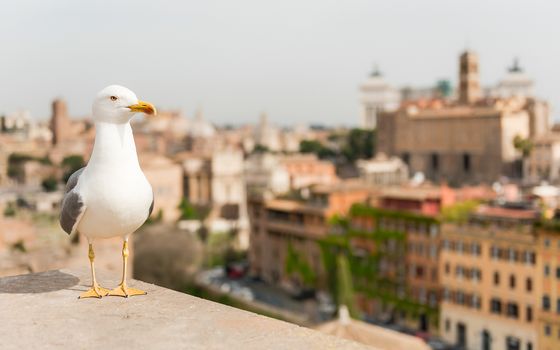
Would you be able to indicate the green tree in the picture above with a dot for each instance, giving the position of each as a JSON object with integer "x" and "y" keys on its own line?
{"x": 345, "y": 287}
{"x": 458, "y": 212}
{"x": 71, "y": 164}
{"x": 297, "y": 265}
{"x": 10, "y": 210}
{"x": 525, "y": 146}
{"x": 360, "y": 144}
{"x": 260, "y": 149}
{"x": 49, "y": 184}
{"x": 188, "y": 211}
{"x": 317, "y": 148}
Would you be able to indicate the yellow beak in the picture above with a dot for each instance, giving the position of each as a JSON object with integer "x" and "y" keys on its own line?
{"x": 143, "y": 107}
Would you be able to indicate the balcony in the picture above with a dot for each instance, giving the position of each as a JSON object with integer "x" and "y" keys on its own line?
{"x": 41, "y": 310}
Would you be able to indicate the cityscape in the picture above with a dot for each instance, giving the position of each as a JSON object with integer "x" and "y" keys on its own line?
{"x": 431, "y": 220}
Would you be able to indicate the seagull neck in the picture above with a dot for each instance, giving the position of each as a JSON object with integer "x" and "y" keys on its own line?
{"x": 114, "y": 143}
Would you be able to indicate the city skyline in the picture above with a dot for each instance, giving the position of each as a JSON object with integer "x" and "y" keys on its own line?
{"x": 297, "y": 62}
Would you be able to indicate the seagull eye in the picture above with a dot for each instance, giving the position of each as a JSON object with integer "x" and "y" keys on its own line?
{"x": 114, "y": 98}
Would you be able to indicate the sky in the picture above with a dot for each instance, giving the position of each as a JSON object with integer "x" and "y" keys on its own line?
{"x": 300, "y": 61}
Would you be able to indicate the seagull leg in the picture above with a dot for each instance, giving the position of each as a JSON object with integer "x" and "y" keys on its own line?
{"x": 123, "y": 290}
{"x": 95, "y": 291}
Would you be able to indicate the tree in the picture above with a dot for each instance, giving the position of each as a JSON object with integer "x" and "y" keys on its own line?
{"x": 297, "y": 265}
{"x": 345, "y": 287}
{"x": 188, "y": 211}
{"x": 525, "y": 146}
{"x": 49, "y": 184}
{"x": 260, "y": 149}
{"x": 360, "y": 144}
{"x": 71, "y": 164}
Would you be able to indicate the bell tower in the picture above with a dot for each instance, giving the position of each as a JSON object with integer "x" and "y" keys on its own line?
{"x": 469, "y": 83}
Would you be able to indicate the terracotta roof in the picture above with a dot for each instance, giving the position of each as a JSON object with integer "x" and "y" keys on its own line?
{"x": 506, "y": 213}
{"x": 412, "y": 193}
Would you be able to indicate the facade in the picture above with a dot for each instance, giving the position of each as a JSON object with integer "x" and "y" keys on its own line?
{"x": 516, "y": 83}
{"x": 166, "y": 179}
{"x": 376, "y": 96}
{"x": 548, "y": 299}
{"x": 383, "y": 171}
{"x": 305, "y": 170}
{"x": 216, "y": 182}
{"x": 543, "y": 163}
{"x": 465, "y": 141}
{"x": 488, "y": 273}
{"x": 394, "y": 257}
{"x": 289, "y": 229}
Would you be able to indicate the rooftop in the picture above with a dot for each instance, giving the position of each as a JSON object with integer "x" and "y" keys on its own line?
{"x": 41, "y": 310}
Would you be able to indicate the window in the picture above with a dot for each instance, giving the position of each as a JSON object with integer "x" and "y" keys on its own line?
{"x": 529, "y": 345}
{"x": 494, "y": 252}
{"x": 511, "y": 255}
{"x": 547, "y": 242}
{"x": 529, "y": 284}
{"x": 406, "y": 158}
{"x": 434, "y": 161}
{"x": 547, "y": 330}
{"x": 529, "y": 314}
{"x": 512, "y": 310}
{"x": 496, "y": 278}
{"x": 447, "y": 325}
{"x": 512, "y": 281}
{"x": 558, "y": 272}
{"x": 558, "y": 306}
{"x": 546, "y": 303}
{"x": 496, "y": 306}
{"x": 476, "y": 302}
{"x": 546, "y": 270}
{"x": 466, "y": 162}
{"x": 460, "y": 247}
{"x": 447, "y": 268}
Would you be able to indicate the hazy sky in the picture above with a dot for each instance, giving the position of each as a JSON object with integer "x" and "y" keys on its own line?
{"x": 298, "y": 60}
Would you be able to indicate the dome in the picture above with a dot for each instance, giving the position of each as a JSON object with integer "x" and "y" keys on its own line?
{"x": 201, "y": 128}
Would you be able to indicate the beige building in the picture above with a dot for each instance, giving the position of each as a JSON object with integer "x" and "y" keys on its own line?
{"x": 548, "y": 299}
{"x": 215, "y": 181}
{"x": 468, "y": 140}
{"x": 383, "y": 171}
{"x": 489, "y": 276}
{"x": 543, "y": 163}
{"x": 166, "y": 179}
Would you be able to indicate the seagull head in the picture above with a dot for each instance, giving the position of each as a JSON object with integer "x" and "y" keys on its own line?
{"x": 117, "y": 104}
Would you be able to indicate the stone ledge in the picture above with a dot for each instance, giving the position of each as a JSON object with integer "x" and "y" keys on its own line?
{"x": 42, "y": 311}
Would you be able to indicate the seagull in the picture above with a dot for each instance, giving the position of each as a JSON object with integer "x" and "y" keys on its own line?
{"x": 110, "y": 197}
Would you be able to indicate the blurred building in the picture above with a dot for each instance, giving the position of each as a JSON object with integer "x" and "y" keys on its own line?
{"x": 516, "y": 83}
{"x": 215, "y": 181}
{"x": 264, "y": 173}
{"x": 282, "y": 228}
{"x": 278, "y": 174}
{"x": 376, "y": 95}
{"x": 382, "y": 170}
{"x": 489, "y": 275}
{"x": 547, "y": 298}
{"x": 166, "y": 178}
{"x": 468, "y": 140}
{"x": 543, "y": 162}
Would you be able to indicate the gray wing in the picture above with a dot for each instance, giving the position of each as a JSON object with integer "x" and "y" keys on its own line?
{"x": 151, "y": 207}
{"x": 73, "y": 206}
{"x": 73, "y": 180}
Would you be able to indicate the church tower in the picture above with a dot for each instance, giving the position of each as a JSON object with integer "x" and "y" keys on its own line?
{"x": 60, "y": 123}
{"x": 469, "y": 83}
